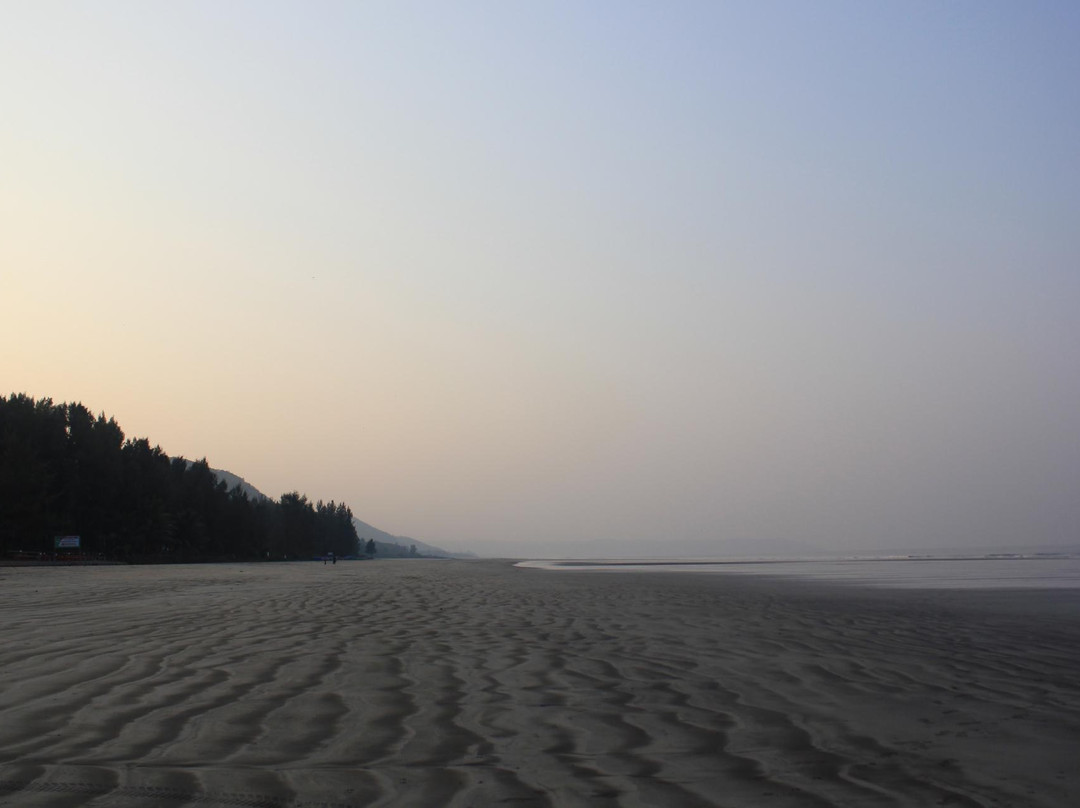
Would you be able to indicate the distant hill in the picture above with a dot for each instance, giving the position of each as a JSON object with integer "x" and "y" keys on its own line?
{"x": 366, "y": 531}
{"x": 386, "y": 544}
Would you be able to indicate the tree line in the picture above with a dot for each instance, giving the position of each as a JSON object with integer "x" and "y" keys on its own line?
{"x": 64, "y": 471}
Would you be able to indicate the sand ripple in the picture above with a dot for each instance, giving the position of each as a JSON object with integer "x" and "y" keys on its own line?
{"x": 475, "y": 683}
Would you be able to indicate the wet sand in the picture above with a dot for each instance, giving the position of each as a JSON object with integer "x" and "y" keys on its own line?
{"x": 473, "y": 683}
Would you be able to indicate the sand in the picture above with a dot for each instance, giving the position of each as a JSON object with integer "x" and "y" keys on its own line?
{"x": 473, "y": 683}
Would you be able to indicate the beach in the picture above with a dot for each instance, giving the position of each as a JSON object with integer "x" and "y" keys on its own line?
{"x": 475, "y": 683}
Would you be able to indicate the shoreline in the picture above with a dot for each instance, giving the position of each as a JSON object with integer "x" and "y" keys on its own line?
{"x": 475, "y": 682}
{"x": 1037, "y": 571}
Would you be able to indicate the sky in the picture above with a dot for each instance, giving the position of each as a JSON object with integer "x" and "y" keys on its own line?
{"x": 565, "y": 278}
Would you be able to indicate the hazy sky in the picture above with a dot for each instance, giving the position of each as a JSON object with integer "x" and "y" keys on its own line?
{"x": 565, "y": 278}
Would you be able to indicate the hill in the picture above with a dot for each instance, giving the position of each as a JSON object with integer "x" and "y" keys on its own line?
{"x": 366, "y": 531}
{"x": 387, "y": 544}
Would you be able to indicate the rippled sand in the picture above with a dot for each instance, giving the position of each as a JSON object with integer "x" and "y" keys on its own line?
{"x": 445, "y": 683}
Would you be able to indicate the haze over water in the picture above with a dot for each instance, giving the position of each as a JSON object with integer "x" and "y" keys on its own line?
{"x": 915, "y": 573}
{"x": 562, "y": 278}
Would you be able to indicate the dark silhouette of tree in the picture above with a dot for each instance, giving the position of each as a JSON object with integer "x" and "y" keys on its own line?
{"x": 298, "y": 525}
{"x": 334, "y": 529}
{"x": 369, "y": 548}
{"x": 64, "y": 471}
{"x": 33, "y": 447}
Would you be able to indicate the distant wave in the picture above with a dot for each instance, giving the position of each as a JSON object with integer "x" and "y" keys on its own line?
{"x": 983, "y": 571}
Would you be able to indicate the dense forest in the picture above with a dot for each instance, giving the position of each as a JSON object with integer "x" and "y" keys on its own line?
{"x": 65, "y": 472}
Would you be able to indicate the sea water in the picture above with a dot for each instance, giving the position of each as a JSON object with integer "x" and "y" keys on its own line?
{"x": 999, "y": 571}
